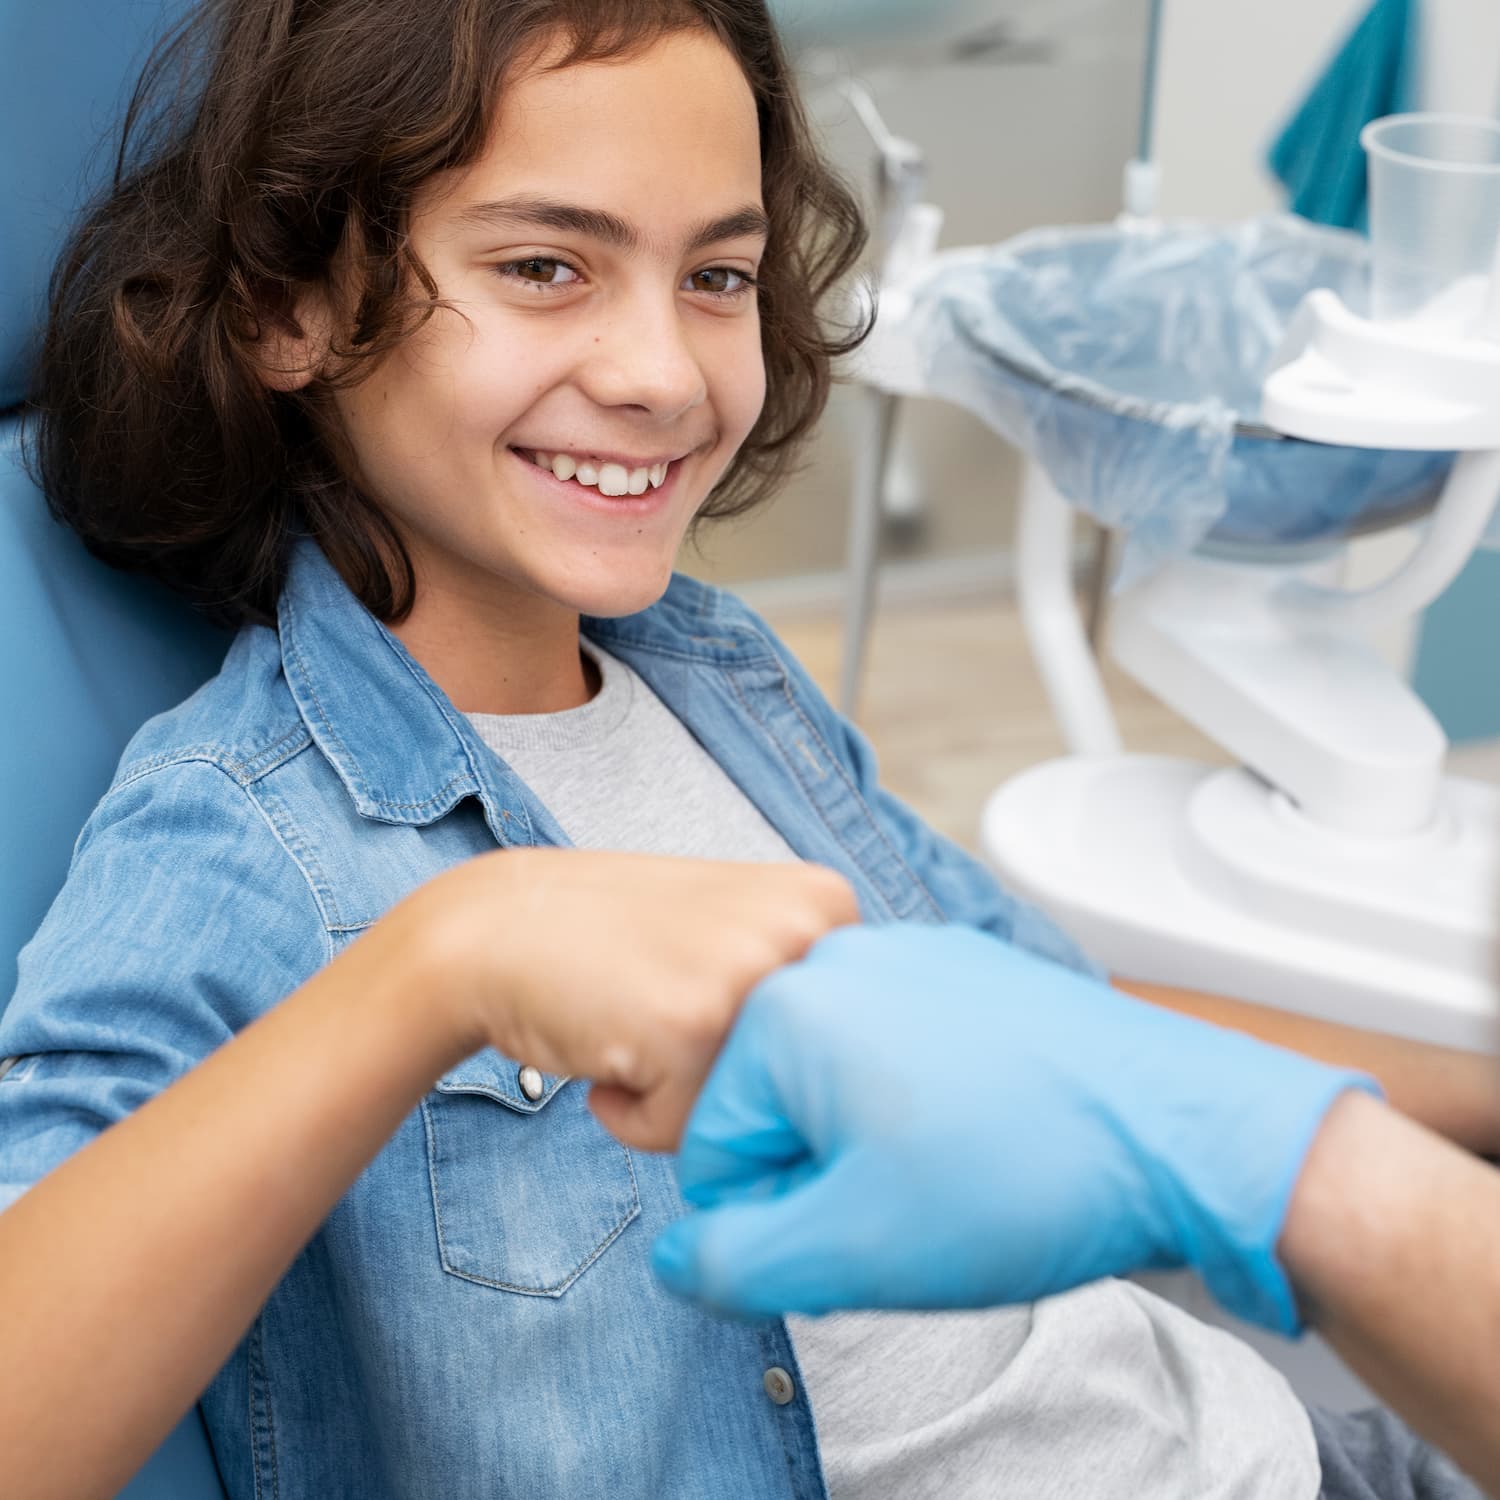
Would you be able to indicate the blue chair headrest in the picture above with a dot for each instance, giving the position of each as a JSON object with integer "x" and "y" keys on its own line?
{"x": 66, "y": 71}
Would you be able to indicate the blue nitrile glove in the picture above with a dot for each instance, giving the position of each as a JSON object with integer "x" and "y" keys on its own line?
{"x": 923, "y": 1117}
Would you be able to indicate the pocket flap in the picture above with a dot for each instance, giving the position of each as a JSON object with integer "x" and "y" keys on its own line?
{"x": 499, "y": 1078}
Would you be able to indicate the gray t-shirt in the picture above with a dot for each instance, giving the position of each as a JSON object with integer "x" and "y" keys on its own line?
{"x": 1108, "y": 1392}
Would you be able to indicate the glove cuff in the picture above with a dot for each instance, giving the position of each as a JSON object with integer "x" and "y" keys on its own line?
{"x": 1235, "y": 1249}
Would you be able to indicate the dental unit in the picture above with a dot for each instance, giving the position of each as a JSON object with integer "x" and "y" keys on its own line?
{"x": 1239, "y": 405}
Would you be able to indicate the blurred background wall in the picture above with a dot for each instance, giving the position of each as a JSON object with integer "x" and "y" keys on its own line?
{"x": 1038, "y": 132}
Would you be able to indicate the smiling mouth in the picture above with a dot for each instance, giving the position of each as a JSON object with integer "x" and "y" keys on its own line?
{"x": 609, "y": 478}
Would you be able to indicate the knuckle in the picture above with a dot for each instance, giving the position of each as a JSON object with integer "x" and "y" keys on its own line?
{"x": 833, "y": 889}
{"x": 704, "y": 1026}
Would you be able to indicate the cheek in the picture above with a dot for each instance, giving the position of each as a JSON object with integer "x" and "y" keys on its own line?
{"x": 743, "y": 391}
{"x": 445, "y": 389}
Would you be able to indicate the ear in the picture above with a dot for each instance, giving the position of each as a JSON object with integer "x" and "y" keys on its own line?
{"x": 294, "y": 334}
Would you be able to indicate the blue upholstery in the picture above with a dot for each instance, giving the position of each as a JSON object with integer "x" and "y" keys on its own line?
{"x": 66, "y": 69}
{"x": 90, "y": 653}
{"x": 181, "y": 1469}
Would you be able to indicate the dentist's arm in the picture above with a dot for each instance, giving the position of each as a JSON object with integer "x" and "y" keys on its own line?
{"x": 919, "y": 1116}
{"x": 1393, "y": 1242}
{"x": 928, "y": 1117}
{"x": 1453, "y": 1092}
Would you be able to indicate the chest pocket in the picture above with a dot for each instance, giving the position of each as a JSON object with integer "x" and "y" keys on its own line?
{"x": 527, "y": 1193}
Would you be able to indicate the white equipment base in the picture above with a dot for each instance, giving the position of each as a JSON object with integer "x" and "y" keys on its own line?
{"x": 1175, "y": 872}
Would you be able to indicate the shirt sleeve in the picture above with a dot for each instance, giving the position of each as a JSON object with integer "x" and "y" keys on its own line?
{"x": 183, "y": 917}
{"x": 962, "y": 887}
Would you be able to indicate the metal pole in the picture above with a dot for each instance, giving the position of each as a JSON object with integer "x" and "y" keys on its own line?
{"x": 872, "y": 442}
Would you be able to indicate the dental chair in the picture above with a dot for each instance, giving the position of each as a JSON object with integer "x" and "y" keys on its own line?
{"x": 90, "y": 653}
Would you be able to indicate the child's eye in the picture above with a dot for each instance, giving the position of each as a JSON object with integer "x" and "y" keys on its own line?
{"x": 540, "y": 271}
{"x": 544, "y": 273}
{"x": 719, "y": 281}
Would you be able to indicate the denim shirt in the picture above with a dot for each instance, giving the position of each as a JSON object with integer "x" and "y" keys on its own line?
{"x": 477, "y": 1315}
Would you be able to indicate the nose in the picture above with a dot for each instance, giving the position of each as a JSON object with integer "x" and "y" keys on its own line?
{"x": 643, "y": 359}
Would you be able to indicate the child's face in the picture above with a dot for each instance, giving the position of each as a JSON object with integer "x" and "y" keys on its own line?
{"x": 590, "y": 319}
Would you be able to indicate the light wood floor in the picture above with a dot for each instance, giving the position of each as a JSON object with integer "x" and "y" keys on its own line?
{"x": 955, "y": 707}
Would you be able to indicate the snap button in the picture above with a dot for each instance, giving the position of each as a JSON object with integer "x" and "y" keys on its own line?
{"x": 779, "y": 1385}
{"x": 532, "y": 1084}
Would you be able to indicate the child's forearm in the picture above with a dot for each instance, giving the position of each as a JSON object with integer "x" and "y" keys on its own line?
{"x": 129, "y": 1273}
{"x": 1453, "y": 1092}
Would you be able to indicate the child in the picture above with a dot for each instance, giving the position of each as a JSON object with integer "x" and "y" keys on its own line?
{"x": 422, "y": 337}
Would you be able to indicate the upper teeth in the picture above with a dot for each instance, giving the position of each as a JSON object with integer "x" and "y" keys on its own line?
{"x": 611, "y": 479}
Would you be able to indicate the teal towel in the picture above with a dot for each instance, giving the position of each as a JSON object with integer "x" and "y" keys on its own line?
{"x": 1318, "y": 155}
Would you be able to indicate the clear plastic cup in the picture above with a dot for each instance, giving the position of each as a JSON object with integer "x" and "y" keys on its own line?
{"x": 1434, "y": 215}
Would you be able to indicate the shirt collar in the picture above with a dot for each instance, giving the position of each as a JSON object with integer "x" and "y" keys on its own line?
{"x": 404, "y": 753}
{"x": 401, "y": 749}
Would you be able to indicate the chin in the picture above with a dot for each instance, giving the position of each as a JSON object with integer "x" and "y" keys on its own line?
{"x": 609, "y": 594}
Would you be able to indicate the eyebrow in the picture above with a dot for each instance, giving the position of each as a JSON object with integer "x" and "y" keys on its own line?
{"x": 608, "y": 228}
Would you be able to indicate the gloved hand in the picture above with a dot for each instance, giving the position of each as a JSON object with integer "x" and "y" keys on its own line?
{"x": 922, "y": 1117}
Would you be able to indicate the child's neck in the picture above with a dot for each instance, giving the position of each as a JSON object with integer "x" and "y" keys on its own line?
{"x": 499, "y": 662}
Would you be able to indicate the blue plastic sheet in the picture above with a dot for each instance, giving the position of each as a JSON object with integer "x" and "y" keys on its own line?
{"x": 1128, "y": 361}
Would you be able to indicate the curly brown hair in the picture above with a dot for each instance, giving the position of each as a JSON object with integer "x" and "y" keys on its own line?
{"x": 268, "y": 139}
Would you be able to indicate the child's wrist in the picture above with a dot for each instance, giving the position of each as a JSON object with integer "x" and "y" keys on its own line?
{"x": 439, "y": 982}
